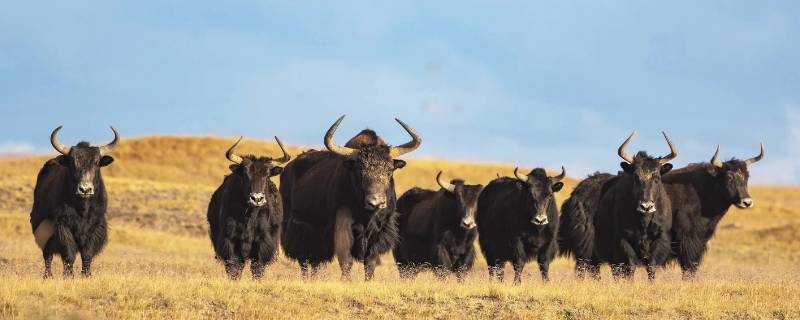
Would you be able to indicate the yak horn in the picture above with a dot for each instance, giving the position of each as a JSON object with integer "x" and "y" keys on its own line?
{"x": 519, "y": 177}
{"x": 331, "y": 145}
{"x": 673, "y": 152}
{"x": 756, "y": 158}
{"x": 106, "y": 149}
{"x": 408, "y": 146}
{"x": 286, "y": 156}
{"x": 447, "y": 186}
{"x": 621, "y": 151}
{"x": 560, "y": 176}
{"x": 715, "y": 159}
{"x": 60, "y": 147}
{"x": 231, "y": 156}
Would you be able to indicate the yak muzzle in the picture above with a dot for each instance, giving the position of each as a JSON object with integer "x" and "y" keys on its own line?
{"x": 540, "y": 220}
{"x": 257, "y": 199}
{"x": 375, "y": 202}
{"x": 468, "y": 223}
{"x": 85, "y": 190}
{"x": 745, "y": 203}
{"x": 646, "y": 207}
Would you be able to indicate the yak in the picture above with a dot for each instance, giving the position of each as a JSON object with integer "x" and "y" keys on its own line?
{"x": 701, "y": 195}
{"x": 245, "y": 213}
{"x": 634, "y": 217}
{"x": 437, "y": 229}
{"x": 342, "y": 202}
{"x": 518, "y": 222}
{"x": 576, "y": 228}
{"x": 69, "y": 204}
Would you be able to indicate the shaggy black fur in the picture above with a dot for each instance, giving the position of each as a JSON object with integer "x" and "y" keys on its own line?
{"x": 701, "y": 195}
{"x": 79, "y": 223}
{"x": 317, "y": 184}
{"x": 506, "y": 209}
{"x": 239, "y": 230}
{"x": 576, "y": 230}
{"x": 433, "y": 233}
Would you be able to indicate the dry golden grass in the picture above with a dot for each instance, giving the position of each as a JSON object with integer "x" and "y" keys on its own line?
{"x": 159, "y": 262}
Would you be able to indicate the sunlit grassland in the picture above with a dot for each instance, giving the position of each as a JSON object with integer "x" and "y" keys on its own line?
{"x": 159, "y": 262}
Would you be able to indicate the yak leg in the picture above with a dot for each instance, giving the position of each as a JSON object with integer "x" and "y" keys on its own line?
{"x": 257, "y": 269}
{"x": 519, "y": 265}
{"x": 544, "y": 267}
{"x": 91, "y": 246}
{"x": 68, "y": 250}
{"x": 343, "y": 241}
{"x": 651, "y": 272}
{"x": 47, "y": 253}
{"x": 443, "y": 263}
{"x": 369, "y": 267}
{"x": 234, "y": 267}
{"x": 581, "y": 267}
{"x": 497, "y": 270}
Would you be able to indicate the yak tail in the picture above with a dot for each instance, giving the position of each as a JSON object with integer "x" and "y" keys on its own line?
{"x": 343, "y": 235}
{"x": 576, "y": 231}
{"x": 44, "y": 231}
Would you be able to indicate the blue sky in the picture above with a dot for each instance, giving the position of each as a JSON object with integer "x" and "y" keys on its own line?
{"x": 529, "y": 83}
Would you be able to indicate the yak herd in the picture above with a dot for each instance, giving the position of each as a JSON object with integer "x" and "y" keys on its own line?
{"x": 341, "y": 202}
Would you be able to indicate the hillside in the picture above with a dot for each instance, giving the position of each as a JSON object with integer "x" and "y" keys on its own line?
{"x": 159, "y": 260}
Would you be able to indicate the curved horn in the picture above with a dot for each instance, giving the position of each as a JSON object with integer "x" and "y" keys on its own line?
{"x": 756, "y": 158}
{"x": 106, "y": 149}
{"x": 408, "y": 146}
{"x": 286, "y": 156}
{"x": 715, "y": 159}
{"x": 560, "y": 176}
{"x": 673, "y": 152}
{"x": 60, "y": 147}
{"x": 446, "y": 186}
{"x": 231, "y": 156}
{"x": 331, "y": 145}
{"x": 621, "y": 151}
{"x": 520, "y": 178}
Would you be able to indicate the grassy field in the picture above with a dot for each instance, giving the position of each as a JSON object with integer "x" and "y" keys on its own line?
{"x": 159, "y": 261}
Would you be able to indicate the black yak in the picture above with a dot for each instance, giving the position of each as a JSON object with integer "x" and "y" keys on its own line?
{"x": 518, "y": 222}
{"x": 437, "y": 229}
{"x": 634, "y": 217}
{"x": 342, "y": 202}
{"x": 245, "y": 213}
{"x": 701, "y": 194}
{"x": 69, "y": 204}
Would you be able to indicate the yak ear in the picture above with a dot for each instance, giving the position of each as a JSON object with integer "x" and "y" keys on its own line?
{"x": 275, "y": 171}
{"x": 627, "y": 167}
{"x": 399, "y": 164}
{"x": 666, "y": 168}
{"x": 106, "y": 160}
{"x": 557, "y": 186}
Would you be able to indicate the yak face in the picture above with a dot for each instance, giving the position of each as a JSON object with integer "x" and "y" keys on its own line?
{"x": 732, "y": 176}
{"x": 371, "y": 162}
{"x": 466, "y": 198}
{"x": 84, "y": 162}
{"x": 540, "y": 194}
{"x": 646, "y": 172}
{"x": 371, "y": 169}
{"x": 254, "y": 173}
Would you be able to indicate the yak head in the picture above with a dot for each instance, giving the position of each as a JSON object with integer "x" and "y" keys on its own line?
{"x": 541, "y": 191}
{"x": 732, "y": 175}
{"x": 84, "y": 162}
{"x": 372, "y": 163}
{"x": 646, "y": 172}
{"x": 466, "y": 197}
{"x": 254, "y": 173}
